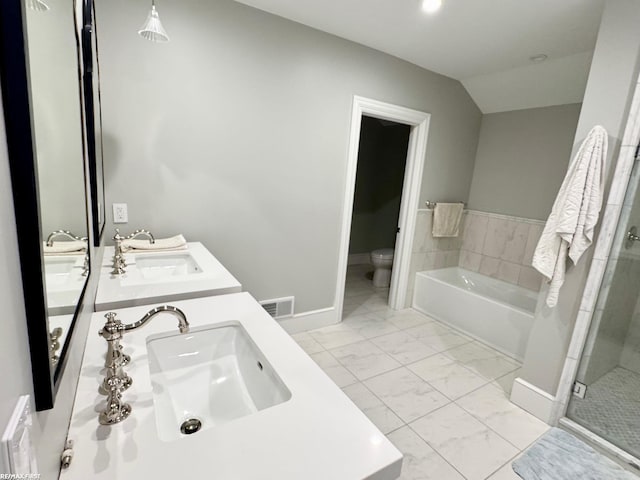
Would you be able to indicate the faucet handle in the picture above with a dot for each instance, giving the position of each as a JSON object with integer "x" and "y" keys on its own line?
{"x": 117, "y": 236}
{"x": 115, "y": 410}
{"x": 112, "y": 329}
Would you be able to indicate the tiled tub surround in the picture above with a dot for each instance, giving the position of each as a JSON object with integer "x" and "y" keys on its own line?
{"x": 501, "y": 247}
{"x": 498, "y": 246}
{"x": 430, "y": 253}
{"x": 495, "y": 312}
{"x": 439, "y": 396}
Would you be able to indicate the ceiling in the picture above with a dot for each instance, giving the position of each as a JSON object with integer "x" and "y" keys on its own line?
{"x": 486, "y": 44}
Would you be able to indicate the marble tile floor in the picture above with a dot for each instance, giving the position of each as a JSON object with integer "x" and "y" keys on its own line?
{"x": 439, "y": 396}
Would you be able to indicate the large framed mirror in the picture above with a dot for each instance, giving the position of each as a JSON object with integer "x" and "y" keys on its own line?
{"x": 42, "y": 101}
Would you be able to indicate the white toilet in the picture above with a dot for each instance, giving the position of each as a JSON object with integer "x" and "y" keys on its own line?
{"x": 382, "y": 260}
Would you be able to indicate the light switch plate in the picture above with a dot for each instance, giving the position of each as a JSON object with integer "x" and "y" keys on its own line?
{"x": 120, "y": 213}
{"x": 18, "y": 453}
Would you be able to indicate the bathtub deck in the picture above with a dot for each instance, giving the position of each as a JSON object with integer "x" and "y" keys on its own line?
{"x": 440, "y": 397}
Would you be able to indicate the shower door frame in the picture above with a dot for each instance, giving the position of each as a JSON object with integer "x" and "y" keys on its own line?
{"x": 416, "y": 152}
{"x": 603, "y": 247}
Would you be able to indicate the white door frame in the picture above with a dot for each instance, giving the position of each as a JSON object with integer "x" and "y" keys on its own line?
{"x": 419, "y": 122}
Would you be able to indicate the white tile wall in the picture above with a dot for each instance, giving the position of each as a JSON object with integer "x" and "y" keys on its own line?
{"x": 501, "y": 247}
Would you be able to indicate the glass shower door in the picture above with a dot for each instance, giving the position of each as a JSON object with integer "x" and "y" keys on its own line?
{"x": 609, "y": 371}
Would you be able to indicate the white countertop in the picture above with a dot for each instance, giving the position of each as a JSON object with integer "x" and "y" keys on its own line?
{"x": 129, "y": 289}
{"x": 318, "y": 434}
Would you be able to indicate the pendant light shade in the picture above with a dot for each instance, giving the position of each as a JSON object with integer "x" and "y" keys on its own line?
{"x": 37, "y": 5}
{"x": 152, "y": 28}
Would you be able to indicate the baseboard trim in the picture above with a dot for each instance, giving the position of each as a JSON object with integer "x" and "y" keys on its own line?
{"x": 359, "y": 259}
{"x": 534, "y": 400}
{"x": 302, "y": 322}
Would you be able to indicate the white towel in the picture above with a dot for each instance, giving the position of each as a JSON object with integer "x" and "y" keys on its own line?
{"x": 446, "y": 219}
{"x": 64, "y": 247}
{"x": 570, "y": 227}
{"x": 160, "y": 245}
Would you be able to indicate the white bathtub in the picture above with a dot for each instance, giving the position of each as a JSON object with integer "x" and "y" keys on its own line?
{"x": 495, "y": 312}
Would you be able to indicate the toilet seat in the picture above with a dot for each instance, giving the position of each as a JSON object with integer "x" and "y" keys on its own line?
{"x": 383, "y": 253}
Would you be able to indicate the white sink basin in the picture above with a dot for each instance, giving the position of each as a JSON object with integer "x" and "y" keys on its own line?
{"x": 64, "y": 282}
{"x": 212, "y": 375}
{"x": 167, "y": 266}
{"x": 57, "y": 270}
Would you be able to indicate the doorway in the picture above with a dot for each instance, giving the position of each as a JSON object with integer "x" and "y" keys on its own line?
{"x": 382, "y": 156}
{"x": 418, "y": 124}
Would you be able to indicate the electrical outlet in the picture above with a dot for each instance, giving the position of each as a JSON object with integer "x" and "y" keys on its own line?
{"x": 120, "y": 214}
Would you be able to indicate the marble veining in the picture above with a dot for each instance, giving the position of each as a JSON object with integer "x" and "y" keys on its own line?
{"x": 381, "y": 415}
{"x": 420, "y": 460}
{"x": 447, "y": 375}
{"x": 364, "y": 359}
{"x": 469, "y": 445}
{"x": 406, "y": 394}
{"x": 334, "y": 370}
{"x": 558, "y": 454}
{"x": 403, "y": 347}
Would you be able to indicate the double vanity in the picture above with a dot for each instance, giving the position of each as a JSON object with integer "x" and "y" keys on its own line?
{"x": 212, "y": 388}
{"x": 159, "y": 277}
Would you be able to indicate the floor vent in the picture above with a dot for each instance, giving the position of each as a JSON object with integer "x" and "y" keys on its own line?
{"x": 279, "y": 307}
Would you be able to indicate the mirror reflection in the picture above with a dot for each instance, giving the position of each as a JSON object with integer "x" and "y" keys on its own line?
{"x": 57, "y": 127}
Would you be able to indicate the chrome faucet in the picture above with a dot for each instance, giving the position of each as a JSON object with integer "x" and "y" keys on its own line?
{"x": 63, "y": 233}
{"x": 116, "y": 380}
{"x": 119, "y": 263}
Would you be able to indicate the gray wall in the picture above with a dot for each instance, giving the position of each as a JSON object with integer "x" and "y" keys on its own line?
{"x": 612, "y": 80}
{"x": 522, "y": 158}
{"x": 236, "y": 134}
{"x": 382, "y": 157}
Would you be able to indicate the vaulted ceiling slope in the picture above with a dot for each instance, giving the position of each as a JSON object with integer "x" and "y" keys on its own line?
{"x": 486, "y": 44}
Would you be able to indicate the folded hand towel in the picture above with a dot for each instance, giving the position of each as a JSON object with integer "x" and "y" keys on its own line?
{"x": 570, "y": 228}
{"x": 161, "y": 244}
{"x": 446, "y": 219}
{"x": 62, "y": 247}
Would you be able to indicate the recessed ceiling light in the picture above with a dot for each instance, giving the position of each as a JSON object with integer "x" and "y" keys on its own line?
{"x": 541, "y": 57}
{"x": 431, "y": 6}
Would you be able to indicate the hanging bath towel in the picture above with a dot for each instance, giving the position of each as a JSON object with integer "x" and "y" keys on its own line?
{"x": 446, "y": 219}
{"x": 570, "y": 227}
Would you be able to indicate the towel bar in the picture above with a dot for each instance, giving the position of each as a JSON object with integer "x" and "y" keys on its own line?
{"x": 433, "y": 204}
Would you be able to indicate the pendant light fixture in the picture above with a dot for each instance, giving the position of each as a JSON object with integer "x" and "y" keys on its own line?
{"x": 431, "y": 6}
{"x": 152, "y": 28}
{"x": 37, "y": 5}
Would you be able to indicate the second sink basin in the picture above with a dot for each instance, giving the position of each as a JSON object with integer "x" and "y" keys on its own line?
{"x": 209, "y": 377}
{"x": 160, "y": 267}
